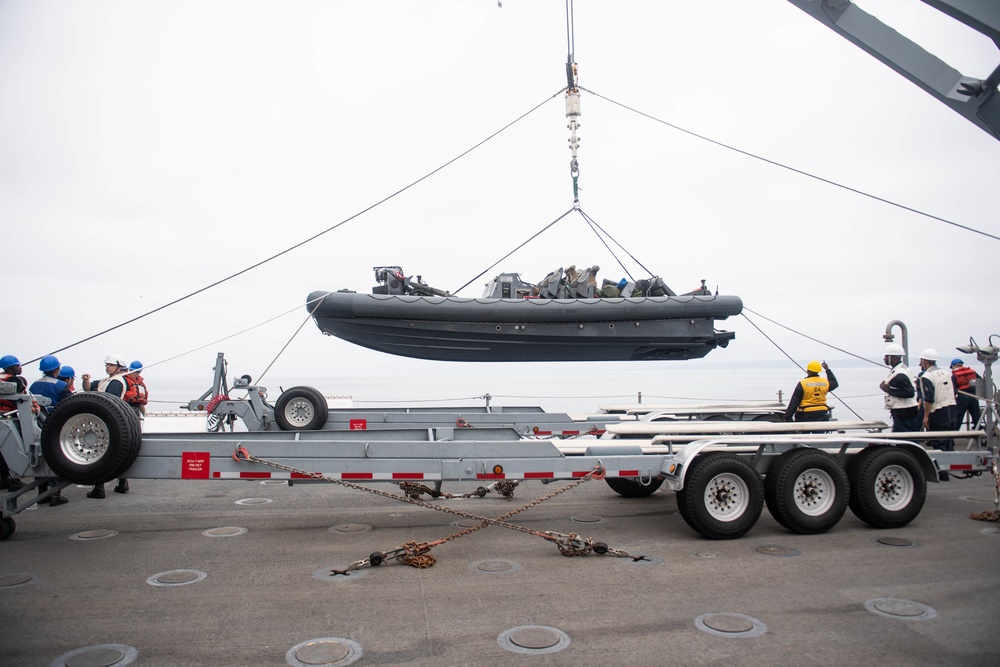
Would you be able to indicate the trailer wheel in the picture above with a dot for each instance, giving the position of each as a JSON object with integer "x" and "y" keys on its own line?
{"x": 889, "y": 487}
{"x": 631, "y": 487}
{"x": 301, "y": 409}
{"x": 722, "y": 497}
{"x": 91, "y": 438}
{"x": 806, "y": 491}
{"x": 7, "y": 527}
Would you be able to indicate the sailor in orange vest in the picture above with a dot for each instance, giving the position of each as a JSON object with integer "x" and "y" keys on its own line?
{"x": 808, "y": 401}
{"x": 965, "y": 379}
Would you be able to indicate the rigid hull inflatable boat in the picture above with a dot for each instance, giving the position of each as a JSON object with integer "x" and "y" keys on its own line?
{"x": 523, "y": 326}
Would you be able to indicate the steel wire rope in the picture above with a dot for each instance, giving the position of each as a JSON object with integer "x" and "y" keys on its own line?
{"x": 314, "y": 236}
{"x": 524, "y": 243}
{"x": 600, "y": 238}
{"x": 789, "y": 356}
{"x": 815, "y": 340}
{"x": 594, "y": 223}
{"x": 793, "y": 169}
{"x": 233, "y": 335}
{"x": 309, "y": 315}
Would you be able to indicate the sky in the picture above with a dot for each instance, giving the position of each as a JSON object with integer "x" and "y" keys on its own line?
{"x": 150, "y": 149}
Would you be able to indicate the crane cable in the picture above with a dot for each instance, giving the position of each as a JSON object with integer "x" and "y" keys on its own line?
{"x": 572, "y": 102}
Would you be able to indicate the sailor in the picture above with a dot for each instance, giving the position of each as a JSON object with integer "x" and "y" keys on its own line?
{"x": 808, "y": 401}
{"x": 68, "y": 375}
{"x": 136, "y": 394}
{"x": 49, "y": 385}
{"x": 938, "y": 395}
{"x": 116, "y": 367}
{"x": 965, "y": 380}
{"x": 11, "y": 366}
{"x": 900, "y": 391}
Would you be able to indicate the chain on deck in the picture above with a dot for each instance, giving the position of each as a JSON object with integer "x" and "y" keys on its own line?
{"x": 416, "y": 554}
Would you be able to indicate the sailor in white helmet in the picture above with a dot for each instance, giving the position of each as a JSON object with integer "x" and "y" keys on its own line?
{"x": 116, "y": 368}
{"x": 938, "y": 395}
{"x": 900, "y": 391}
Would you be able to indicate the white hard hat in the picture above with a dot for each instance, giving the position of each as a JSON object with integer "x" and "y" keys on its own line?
{"x": 116, "y": 359}
{"x": 930, "y": 354}
{"x": 893, "y": 350}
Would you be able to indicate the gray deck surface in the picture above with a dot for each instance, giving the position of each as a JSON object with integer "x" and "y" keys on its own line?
{"x": 266, "y": 591}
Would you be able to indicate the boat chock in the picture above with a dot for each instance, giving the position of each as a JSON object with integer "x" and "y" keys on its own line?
{"x": 416, "y": 554}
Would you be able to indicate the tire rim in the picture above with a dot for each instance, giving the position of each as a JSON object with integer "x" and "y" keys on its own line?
{"x": 814, "y": 492}
{"x": 894, "y": 487}
{"x": 84, "y": 439}
{"x": 299, "y": 411}
{"x": 726, "y": 497}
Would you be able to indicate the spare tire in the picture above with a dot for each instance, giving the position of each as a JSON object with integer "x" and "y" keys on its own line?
{"x": 301, "y": 409}
{"x": 91, "y": 438}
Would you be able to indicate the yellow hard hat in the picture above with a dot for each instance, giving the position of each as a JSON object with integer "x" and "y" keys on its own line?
{"x": 814, "y": 367}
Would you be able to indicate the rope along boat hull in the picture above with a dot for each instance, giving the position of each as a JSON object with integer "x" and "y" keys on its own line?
{"x": 491, "y": 329}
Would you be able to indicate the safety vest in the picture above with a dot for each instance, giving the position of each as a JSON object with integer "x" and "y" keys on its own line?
{"x": 963, "y": 377}
{"x": 814, "y": 389}
{"x": 895, "y": 402}
{"x": 944, "y": 394}
{"x": 103, "y": 384}
{"x": 135, "y": 393}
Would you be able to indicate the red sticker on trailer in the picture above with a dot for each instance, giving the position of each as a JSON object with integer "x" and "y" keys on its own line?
{"x": 196, "y": 465}
{"x": 359, "y": 424}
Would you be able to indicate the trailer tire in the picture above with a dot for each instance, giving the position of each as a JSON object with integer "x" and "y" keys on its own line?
{"x": 722, "y": 497}
{"x": 806, "y": 491}
{"x": 7, "y": 527}
{"x": 631, "y": 487}
{"x": 888, "y": 486}
{"x": 301, "y": 409}
{"x": 91, "y": 438}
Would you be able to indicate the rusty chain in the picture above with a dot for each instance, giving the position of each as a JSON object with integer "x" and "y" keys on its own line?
{"x": 415, "y": 554}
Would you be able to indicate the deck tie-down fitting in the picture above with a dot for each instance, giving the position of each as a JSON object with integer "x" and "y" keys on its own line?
{"x": 415, "y": 554}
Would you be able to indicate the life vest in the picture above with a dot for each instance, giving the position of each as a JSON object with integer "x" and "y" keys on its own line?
{"x": 944, "y": 394}
{"x": 103, "y": 384}
{"x": 814, "y": 389}
{"x": 21, "y": 387}
{"x": 135, "y": 392}
{"x": 895, "y": 402}
{"x": 963, "y": 377}
{"x": 5, "y": 405}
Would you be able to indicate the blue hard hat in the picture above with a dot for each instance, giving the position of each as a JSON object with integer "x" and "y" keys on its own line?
{"x": 48, "y": 363}
{"x": 8, "y": 360}
{"x": 135, "y": 365}
{"x": 66, "y": 372}
{"x": 956, "y": 361}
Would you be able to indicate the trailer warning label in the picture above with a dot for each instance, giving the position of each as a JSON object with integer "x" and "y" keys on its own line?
{"x": 195, "y": 465}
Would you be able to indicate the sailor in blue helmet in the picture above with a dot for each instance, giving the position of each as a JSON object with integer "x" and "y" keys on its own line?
{"x": 10, "y": 371}
{"x": 54, "y": 389}
{"x": 49, "y": 385}
{"x": 68, "y": 375}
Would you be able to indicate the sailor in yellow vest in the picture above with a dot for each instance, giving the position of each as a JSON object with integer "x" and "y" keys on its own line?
{"x": 808, "y": 401}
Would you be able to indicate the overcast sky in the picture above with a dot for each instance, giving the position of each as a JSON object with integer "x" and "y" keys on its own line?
{"x": 148, "y": 149}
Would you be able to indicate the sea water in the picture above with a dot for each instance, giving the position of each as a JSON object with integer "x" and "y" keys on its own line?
{"x": 573, "y": 388}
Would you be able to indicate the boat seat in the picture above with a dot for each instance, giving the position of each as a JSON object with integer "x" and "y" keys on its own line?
{"x": 548, "y": 287}
{"x": 583, "y": 286}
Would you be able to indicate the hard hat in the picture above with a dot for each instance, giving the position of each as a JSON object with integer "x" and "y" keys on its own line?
{"x": 116, "y": 359}
{"x": 135, "y": 365}
{"x": 48, "y": 363}
{"x": 814, "y": 367}
{"x": 8, "y": 360}
{"x": 66, "y": 372}
{"x": 930, "y": 354}
{"x": 893, "y": 350}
